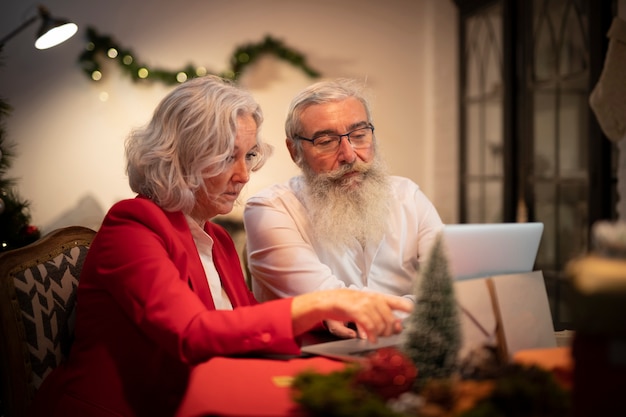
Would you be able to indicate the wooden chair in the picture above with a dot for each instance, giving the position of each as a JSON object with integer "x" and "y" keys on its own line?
{"x": 37, "y": 305}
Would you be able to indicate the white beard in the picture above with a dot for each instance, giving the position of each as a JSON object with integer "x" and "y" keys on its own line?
{"x": 346, "y": 209}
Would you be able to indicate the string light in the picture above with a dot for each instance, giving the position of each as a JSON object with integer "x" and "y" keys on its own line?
{"x": 243, "y": 56}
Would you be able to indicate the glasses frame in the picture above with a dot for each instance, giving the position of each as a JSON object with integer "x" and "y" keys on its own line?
{"x": 346, "y": 135}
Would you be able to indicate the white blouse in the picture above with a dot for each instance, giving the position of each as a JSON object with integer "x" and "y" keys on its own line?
{"x": 204, "y": 244}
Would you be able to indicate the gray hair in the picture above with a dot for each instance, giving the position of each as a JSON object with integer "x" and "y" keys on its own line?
{"x": 189, "y": 138}
{"x": 320, "y": 93}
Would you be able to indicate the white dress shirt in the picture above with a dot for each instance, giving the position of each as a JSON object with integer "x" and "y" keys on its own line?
{"x": 204, "y": 243}
{"x": 285, "y": 259}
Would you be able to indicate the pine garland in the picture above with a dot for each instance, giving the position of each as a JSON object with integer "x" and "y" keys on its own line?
{"x": 101, "y": 46}
{"x": 336, "y": 395}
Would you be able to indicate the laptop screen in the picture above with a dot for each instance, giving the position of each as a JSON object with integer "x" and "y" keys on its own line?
{"x": 477, "y": 250}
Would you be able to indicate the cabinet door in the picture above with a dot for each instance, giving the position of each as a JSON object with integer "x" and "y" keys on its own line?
{"x": 483, "y": 176}
{"x": 564, "y": 151}
{"x": 531, "y": 148}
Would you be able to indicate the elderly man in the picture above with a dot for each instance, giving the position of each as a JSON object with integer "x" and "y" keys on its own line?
{"x": 345, "y": 222}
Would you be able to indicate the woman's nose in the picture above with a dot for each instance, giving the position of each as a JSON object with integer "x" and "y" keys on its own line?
{"x": 241, "y": 172}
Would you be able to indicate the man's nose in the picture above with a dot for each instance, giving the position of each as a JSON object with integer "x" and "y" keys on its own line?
{"x": 346, "y": 151}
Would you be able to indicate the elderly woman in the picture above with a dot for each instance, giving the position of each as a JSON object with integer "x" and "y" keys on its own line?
{"x": 162, "y": 288}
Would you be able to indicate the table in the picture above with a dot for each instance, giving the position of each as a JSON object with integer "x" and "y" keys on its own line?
{"x": 229, "y": 387}
{"x": 260, "y": 387}
{"x": 252, "y": 386}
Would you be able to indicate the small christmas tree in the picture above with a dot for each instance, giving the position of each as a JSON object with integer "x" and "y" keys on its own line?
{"x": 433, "y": 335}
{"x": 15, "y": 228}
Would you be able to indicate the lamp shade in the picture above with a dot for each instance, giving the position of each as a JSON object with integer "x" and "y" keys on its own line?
{"x": 53, "y": 31}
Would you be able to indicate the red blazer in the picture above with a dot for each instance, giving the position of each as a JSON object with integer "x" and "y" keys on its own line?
{"x": 145, "y": 316}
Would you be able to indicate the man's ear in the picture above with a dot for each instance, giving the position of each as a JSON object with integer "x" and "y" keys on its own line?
{"x": 291, "y": 146}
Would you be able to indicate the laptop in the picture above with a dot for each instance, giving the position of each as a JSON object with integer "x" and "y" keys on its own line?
{"x": 477, "y": 250}
{"x": 351, "y": 350}
{"x": 474, "y": 251}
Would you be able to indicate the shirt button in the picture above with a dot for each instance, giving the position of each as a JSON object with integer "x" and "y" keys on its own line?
{"x": 266, "y": 337}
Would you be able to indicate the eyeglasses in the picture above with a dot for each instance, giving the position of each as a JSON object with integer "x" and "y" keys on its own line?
{"x": 360, "y": 138}
{"x": 253, "y": 159}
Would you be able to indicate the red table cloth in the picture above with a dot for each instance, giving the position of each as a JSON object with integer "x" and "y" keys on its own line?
{"x": 242, "y": 387}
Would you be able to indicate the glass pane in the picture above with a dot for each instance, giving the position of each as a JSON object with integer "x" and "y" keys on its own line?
{"x": 544, "y": 48}
{"x": 494, "y": 147}
{"x": 483, "y": 53}
{"x": 472, "y": 142}
{"x": 474, "y": 202}
{"x": 573, "y": 135}
{"x": 574, "y": 55}
{"x": 560, "y": 30}
{"x": 493, "y": 52}
{"x": 484, "y": 201}
{"x": 473, "y": 67}
{"x": 545, "y": 195}
{"x": 493, "y": 202}
{"x": 573, "y": 218}
{"x": 544, "y": 134}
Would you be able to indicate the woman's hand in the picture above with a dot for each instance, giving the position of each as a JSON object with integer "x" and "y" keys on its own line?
{"x": 342, "y": 329}
{"x": 371, "y": 312}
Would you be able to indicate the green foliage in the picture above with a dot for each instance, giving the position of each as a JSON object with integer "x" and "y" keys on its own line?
{"x": 518, "y": 391}
{"x": 433, "y": 336}
{"x": 245, "y": 55}
{"x": 336, "y": 395}
{"x": 103, "y": 46}
{"x": 524, "y": 391}
{"x": 15, "y": 231}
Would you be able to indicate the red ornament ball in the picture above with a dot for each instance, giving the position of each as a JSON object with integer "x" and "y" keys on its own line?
{"x": 387, "y": 372}
{"x": 31, "y": 230}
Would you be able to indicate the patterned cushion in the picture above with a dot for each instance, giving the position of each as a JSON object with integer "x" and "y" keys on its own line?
{"x": 46, "y": 295}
